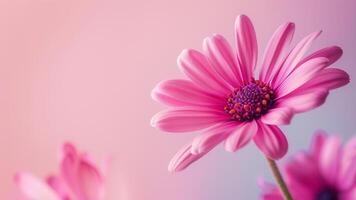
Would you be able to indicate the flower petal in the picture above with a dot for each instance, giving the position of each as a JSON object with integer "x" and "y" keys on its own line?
{"x": 295, "y": 57}
{"x": 330, "y": 156}
{"x": 34, "y": 188}
{"x": 301, "y": 75}
{"x": 183, "y": 158}
{"x": 332, "y": 53}
{"x": 58, "y": 185}
{"x": 271, "y": 141}
{"x": 196, "y": 66}
{"x": 90, "y": 181}
{"x": 246, "y": 46}
{"x": 186, "y": 119}
{"x": 347, "y": 177}
{"x": 278, "y": 116}
{"x": 222, "y": 57}
{"x": 330, "y": 78}
{"x": 212, "y": 136}
{"x": 241, "y": 136}
{"x": 317, "y": 143}
{"x": 275, "y": 48}
{"x": 183, "y": 93}
{"x": 304, "y": 100}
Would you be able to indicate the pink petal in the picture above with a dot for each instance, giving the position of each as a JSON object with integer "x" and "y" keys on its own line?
{"x": 90, "y": 181}
{"x": 275, "y": 48}
{"x": 223, "y": 59}
{"x": 241, "y": 136}
{"x": 278, "y": 116}
{"x": 183, "y": 93}
{"x": 212, "y": 137}
{"x": 246, "y": 45}
{"x": 34, "y": 188}
{"x": 301, "y": 75}
{"x": 329, "y": 159}
{"x": 186, "y": 119}
{"x": 317, "y": 144}
{"x": 183, "y": 158}
{"x": 303, "y": 100}
{"x": 58, "y": 185}
{"x": 347, "y": 177}
{"x": 329, "y": 78}
{"x": 68, "y": 166}
{"x": 271, "y": 141}
{"x": 196, "y": 66}
{"x": 332, "y": 53}
{"x": 295, "y": 57}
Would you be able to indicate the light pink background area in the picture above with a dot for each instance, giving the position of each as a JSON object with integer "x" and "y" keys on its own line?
{"x": 83, "y": 71}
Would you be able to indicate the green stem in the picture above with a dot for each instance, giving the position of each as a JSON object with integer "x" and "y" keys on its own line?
{"x": 278, "y": 177}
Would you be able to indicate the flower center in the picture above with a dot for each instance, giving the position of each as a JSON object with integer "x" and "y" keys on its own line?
{"x": 249, "y": 101}
{"x": 327, "y": 194}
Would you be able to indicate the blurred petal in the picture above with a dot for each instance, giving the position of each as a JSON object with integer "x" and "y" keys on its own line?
{"x": 241, "y": 136}
{"x": 347, "y": 177}
{"x": 186, "y": 119}
{"x": 330, "y": 157}
{"x": 271, "y": 141}
{"x": 90, "y": 181}
{"x": 34, "y": 188}
{"x": 58, "y": 185}
{"x": 246, "y": 46}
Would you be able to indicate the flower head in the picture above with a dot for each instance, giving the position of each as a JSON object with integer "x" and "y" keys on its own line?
{"x": 79, "y": 179}
{"x": 325, "y": 172}
{"x": 223, "y": 98}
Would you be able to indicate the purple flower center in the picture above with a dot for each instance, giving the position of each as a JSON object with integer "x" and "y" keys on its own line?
{"x": 249, "y": 101}
{"x": 327, "y": 194}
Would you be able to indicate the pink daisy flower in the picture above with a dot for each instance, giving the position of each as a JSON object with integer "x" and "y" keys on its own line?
{"x": 79, "y": 179}
{"x": 326, "y": 172}
{"x": 222, "y": 98}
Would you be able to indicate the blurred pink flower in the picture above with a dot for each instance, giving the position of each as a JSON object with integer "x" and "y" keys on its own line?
{"x": 223, "y": 98}
{"x": 326, "y": 172}
{"x": 79, "y": 179}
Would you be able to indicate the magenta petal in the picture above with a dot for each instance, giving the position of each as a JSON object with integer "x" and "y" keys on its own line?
{"x": 304, "y": 100}
{"x": 271, "y": 141}
{"x": 90, "y": 181}
{"x": 241, "y": 136}
{"x": 183, "y": 158}
{"x": 274, "y": 50}
{"x": 196, "y": 66}
{"x": 223, "y": 59}
{"x": 34, "y": 188}
{"x": 347, "y": 176}
{"x": 329, "y": 78}
{"x": 183, "y": 93}
{"x": 295, "y": 57}
{"x": 332, "y": 53}
{"x": 186, "y": 119}
{"x": 278, "y": 116}
{"x": 317, "y": 144}
{"x": 330, "y": 156}
{"x": 301, "y": 75}
{"x": 212, "y": 136}
{"x": 246, "y": 46}
{"x": 58, "y": 185}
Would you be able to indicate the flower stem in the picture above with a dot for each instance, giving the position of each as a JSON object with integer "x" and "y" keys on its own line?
{"x": 278, "y": 177}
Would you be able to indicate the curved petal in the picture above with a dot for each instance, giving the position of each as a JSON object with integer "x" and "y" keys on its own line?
{"x": 278, "y": 116}
{"x": 186, "y": 119}
{"x": 222, "y": 57}
{"x": 90, "y": 181}
{"x": 183, "y": 158}
{"x": 275, "y": 48}
{"x": 295, "y": 57}
{"x": 271, "y": 141}
{"x": 212, "y": 137}
{"x": 59, "y": 186}
{"x": 304, "y": 100}
{"x": 241, "y": 136}
{"x": 330, "y": 156}
{"x": 317, "y": 143}
{"x": 183, "y": 93}
{"x": 196, "y": 66}
{"x": 246, "y": 46}
{"x": 301, "y": 75}
{"x": 332, "y": 53}
{"x": 330, "y": 78}
{"x": 34, "y": 188}
{"x": 347, "y": 177}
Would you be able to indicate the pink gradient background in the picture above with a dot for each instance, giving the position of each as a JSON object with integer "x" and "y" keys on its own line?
{"x": 83, "y": 71}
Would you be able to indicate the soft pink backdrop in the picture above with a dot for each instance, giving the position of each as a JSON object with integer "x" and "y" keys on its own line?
{"x": 83, "y": 70}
